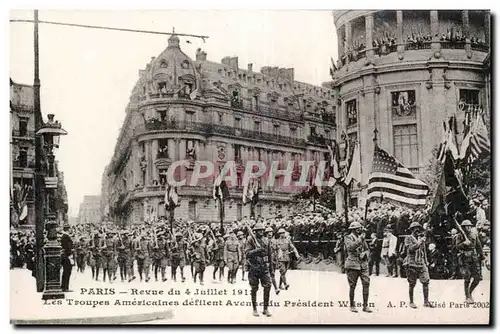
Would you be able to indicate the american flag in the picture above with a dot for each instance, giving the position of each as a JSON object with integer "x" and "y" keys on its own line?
{"x": 476, "y": 141}
{"x": 390, "y": 179}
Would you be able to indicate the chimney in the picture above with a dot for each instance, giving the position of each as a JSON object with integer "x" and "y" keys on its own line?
{"x": 201, "y": 55}
{"x": 225, "y": 61}
{"x": 250, "y": 68}
{"x": 233, "y": 63}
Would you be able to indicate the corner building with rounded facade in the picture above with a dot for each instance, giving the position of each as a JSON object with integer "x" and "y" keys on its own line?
{"x": 411, "y": 71}
{"x": 199, "y": 110}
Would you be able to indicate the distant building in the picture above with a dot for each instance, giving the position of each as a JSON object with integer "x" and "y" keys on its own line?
{"x": 22, "y": 145}
{"x": 104, "y": 206}
{"x": 89, "y": 211}
{"x": 201, "y": 110}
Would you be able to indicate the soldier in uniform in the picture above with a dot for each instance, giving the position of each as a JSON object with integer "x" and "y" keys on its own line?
{"x": 217, "y": 249}
{"x": 199, "y": 257}
{"x": 241, "y": 240}
{"x": 160, "y": 254}
{"x": 416, "y": 263}
{"x": 67, "y": 261}
{"x": 178, "y": 256}
{"x": 232, "y": 256}
{"x": 284, "y": 248}
{"x": 339, "y": 251}
{"x": 273, "y": 265}
{"x": 259, "y": 255}
{"x": 81, "y": 253}
{"x": 123, "y": 243}
{"x": 96, "y": 255}
{"x": 471, "y": 256}
{"x": 143, "y": 252}
{"x": 356, "y": 264}
{"x": 109, "y": 257}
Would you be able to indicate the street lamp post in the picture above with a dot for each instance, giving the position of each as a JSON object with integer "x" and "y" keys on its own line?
{"x": 51, "y": 132}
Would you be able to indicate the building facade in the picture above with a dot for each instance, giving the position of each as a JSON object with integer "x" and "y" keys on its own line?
{"x": 403, "y": 73}
{"x": 199, "y": 110}
{"x": 90, "y": 210}
{"x": 22, "y": 145}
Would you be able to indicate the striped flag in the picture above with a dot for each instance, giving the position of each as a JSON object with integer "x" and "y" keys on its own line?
{"x": 251, "y": 191}
{"x": 477, "y": 141}
{"x": 448, "y": 142}
{"x": 390, "y": 179}
{"x": 355, "y": 167}
{"x": 171, "y": 197}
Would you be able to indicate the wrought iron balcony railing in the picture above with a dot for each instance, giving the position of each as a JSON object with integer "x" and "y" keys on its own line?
{"x": 23, "y": 134}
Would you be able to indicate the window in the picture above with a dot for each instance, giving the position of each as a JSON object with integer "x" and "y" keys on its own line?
{"x": 255, "y": 103}
{"x": 469, "y": 96}
{"x": 313, "y": 130}
{"x": 221, "y": 119}
{"x": 239, "y": 209}
{"x": 403, "y": 103}
{"x": 276, "y": 129}
{"x": 293, "y": 132}
{"x": 162, "y": 172}
{"x": 143, "y": 177}
{"x": 237, "y": 123}
{"x": 192, "y": 210}
{"x": 190, "y": 117}
{"x": 406, "y": 145}
{"x": 327, "y": 133}
{"x": 23, "y": 126}
{"x": 256, "y": 126}
{"x": 163, "y": 115}
{"x": 352, "y": 113}
{"x": 237, "y": 152}
{"x": 162, "y": 148}
{"x": 23, "y": 157}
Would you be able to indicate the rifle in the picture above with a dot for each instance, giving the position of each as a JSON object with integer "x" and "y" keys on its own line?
{"x": 250, "y": 232}
{"x": 460, "y": 228}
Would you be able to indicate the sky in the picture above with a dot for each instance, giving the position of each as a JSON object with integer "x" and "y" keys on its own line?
{"x": 87, "y": 75}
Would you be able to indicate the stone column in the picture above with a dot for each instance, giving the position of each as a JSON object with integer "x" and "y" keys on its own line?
{"x": 466, "y": 27}
{"x": 348, "y": 37}
{"x": 340, "y": 45}
{"x": 369, "y": 36}
{"x": 149, "y": 159}
{"x": 181, "y": 155}
{"x": 154, "y": 149}
{"x": 436, "y": 45}
{"x": 399, "y": 31}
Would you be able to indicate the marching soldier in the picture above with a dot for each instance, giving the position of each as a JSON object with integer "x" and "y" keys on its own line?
{"x": 123, "y": 250}
{"x": 109, "y": 257}
{"x": 96, "y": 258}
{"x": 81, "y": 253}
{"x": 160, "y": 254}
{"x": 178, "y": 256}
{"x": 241, "y": 240}
{"x": 199, "y": 256}
{"x": 356, "y": 264}
{"x": 471, "y": 256}
{"x": 143, "y": 251}
{"x": 416, "y": 263}
{"x": 284, "y": 248}
{"x": 232, "y": 256}
{"x": 273, "y": 265}
{"x": 217, "y": 248}
{"x": 259, "y": 255}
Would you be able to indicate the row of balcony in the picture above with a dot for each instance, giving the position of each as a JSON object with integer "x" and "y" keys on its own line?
{"x": 23, "y": 163}
{"x": 217, "y": 129}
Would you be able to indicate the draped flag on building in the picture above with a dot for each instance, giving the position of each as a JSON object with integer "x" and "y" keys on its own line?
{"x": 313, "y": 188}
{"x": 335, "y": 174}
{"x": 390, "y": 179}
{"x": 354, "y": 171}
{"x": 221, "y": 189}
{"x": 251, "y": 191}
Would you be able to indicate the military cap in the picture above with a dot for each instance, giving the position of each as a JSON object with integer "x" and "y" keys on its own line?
{"x": 355, "y": 225}
{"x": 466, "y": 222}
{"x": 226, "y": 235}
{"x": 269, "y": 229}
{"x": 281, "y": 230}
{"x": 415, "y": 224}
{"x": 240, "y": 233}
{"x": 178, "y": 234}
{"x": 259, "y": 226}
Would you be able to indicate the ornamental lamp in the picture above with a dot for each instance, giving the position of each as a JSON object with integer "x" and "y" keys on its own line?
{"x": 51, "y": 132}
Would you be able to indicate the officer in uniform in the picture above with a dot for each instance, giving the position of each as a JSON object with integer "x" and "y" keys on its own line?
{"x": 232, "y": 256}
{"x": 109, "y": 257}
{"x": 66, "y": 258}
{"x": 218, "y": 256}
{"x": 416, "y": 263}
{"x": 81, "y": 252}
{"x": 96, "y": 261}
{"x": 284, "y": 248}
{"x": 199, "y": 257}
{"x": 356, "y": 264}
{"x": 471, "y": 255}
{"x": 242, "y": 240}
{"x": 259, "y": 255}
{"x": 178, "y": 256}
{"x": 122, "y": 254}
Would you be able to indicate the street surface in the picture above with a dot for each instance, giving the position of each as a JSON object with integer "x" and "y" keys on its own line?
{"x": 230, "y": 303}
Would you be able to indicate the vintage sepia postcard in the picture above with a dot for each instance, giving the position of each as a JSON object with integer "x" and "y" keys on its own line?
{"x": 250, "y": 167}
